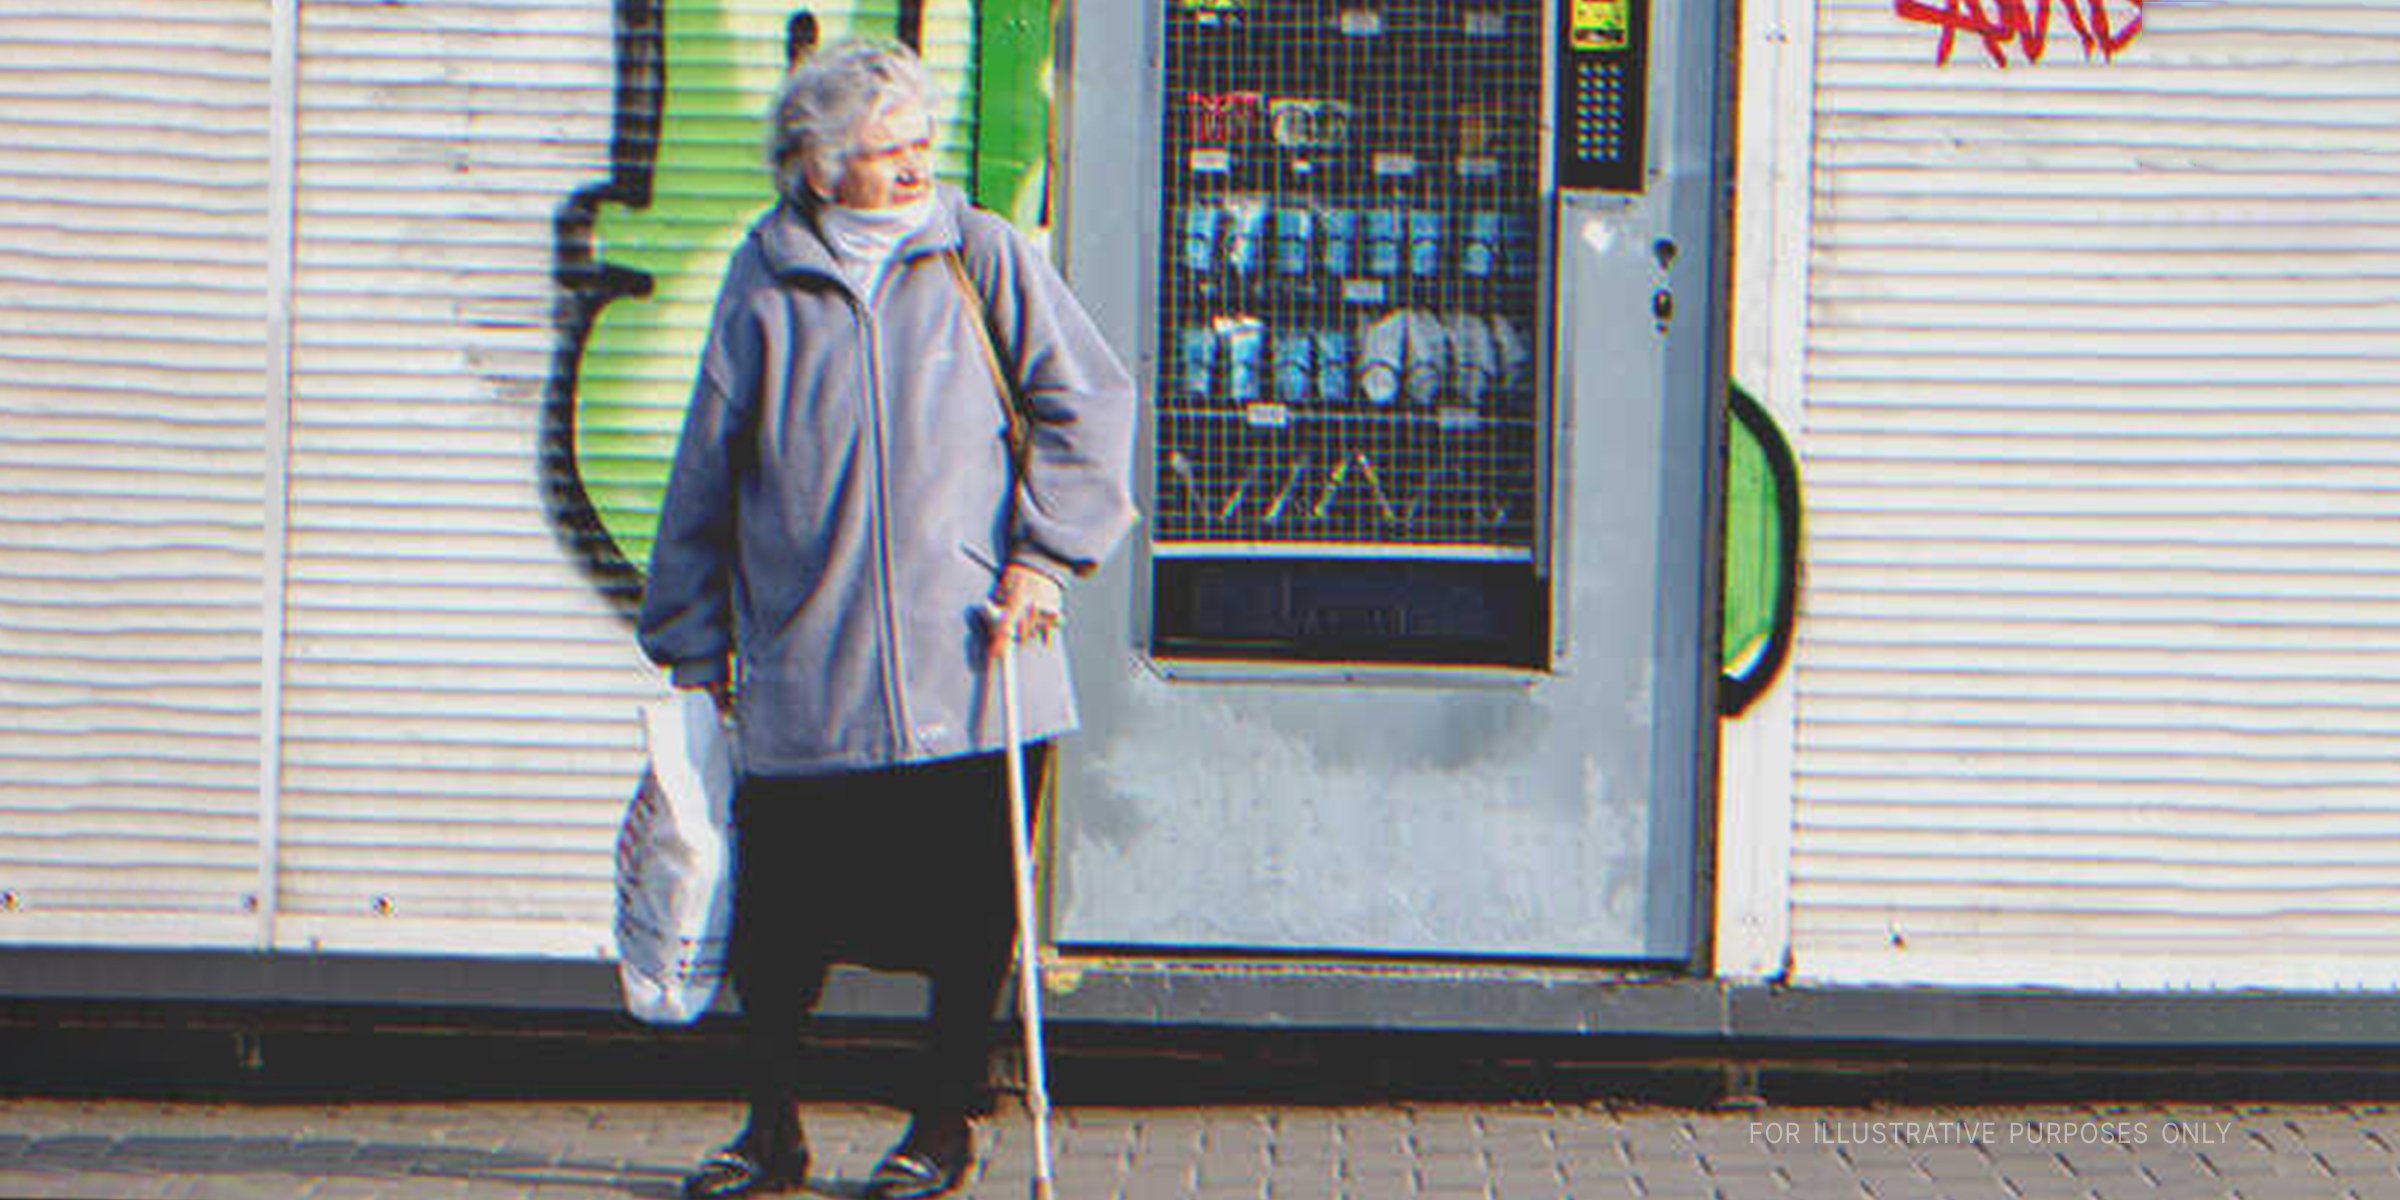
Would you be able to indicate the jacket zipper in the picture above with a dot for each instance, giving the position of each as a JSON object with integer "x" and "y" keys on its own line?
{"x": 895, "y": 698}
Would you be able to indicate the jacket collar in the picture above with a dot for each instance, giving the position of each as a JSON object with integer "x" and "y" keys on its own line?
{"x": 794, "y": 245}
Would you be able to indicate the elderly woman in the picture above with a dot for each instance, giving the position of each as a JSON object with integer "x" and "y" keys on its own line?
{"x": 857, "y": 516}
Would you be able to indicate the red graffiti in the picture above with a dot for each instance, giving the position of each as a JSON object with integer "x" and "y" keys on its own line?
{"x": 2026, "y": 22}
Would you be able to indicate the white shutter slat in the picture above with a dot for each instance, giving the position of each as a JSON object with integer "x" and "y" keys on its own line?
{"x": 133, "y": 248}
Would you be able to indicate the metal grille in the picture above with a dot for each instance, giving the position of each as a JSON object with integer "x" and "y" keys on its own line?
{"x": 1348, "y": 297}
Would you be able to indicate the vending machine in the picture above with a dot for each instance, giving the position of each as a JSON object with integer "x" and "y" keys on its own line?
{"x": 1412, "y": 658}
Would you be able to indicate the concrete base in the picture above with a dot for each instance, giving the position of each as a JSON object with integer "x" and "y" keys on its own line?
{"x": 1542, "y": 1001}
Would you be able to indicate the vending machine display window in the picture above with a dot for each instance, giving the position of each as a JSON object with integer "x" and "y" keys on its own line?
{"x": 1348, "y": 438}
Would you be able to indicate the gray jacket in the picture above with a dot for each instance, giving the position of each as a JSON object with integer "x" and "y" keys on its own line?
{"x": 842, "y": 502}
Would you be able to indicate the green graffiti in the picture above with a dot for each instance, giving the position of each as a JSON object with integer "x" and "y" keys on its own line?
{"x": 716, "y": 70}
{"x": 1762, "y": 531}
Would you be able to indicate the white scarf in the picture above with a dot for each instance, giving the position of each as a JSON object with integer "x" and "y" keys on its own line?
{"x": 863, "y": 240}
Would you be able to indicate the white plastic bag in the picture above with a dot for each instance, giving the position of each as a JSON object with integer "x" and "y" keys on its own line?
{"x": 674, "y": 886}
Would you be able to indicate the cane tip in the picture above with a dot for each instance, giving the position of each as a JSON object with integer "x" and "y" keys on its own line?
{"x": 1042, "y": 1190}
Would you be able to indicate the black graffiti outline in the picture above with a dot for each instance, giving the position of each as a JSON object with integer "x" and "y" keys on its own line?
{"x": 586, "y": 285}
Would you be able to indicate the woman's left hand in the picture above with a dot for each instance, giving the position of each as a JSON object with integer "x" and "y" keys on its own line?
{"x": 1029, "y": 604}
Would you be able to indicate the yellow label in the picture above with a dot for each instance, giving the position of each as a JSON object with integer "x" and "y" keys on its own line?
{"x": 1598, "y": 24}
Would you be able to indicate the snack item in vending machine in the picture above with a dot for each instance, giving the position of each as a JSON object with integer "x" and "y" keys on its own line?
{"x": 1425, "y": 235}
{"x": 1479, "y": 245}
{"x": 1405, "y": 352}
{"x": 1196, "y": 362}
{"x": 1308, "y": 123}
{"x": 1516, "y": 245}
{"x": 1295, "y": 367}
{"x": 1474, "y": 359}
{"x": 1245, "y": 231}
{"x": 1386, "y": 237}
{"x": 1382, "y": 354}
{"x": 1515, "y": 358}
{"x": 1201, "y": 221}
{"x": 1242, "y": 351}
{"x": 1483, "y": 128}
{"x": 1428, "y": 362}
{"x": 1337, "y": 239}
{"x": 1293, "y": 227}
{"x": 1333, "y": 366}
{"x": 1222, "y": 119}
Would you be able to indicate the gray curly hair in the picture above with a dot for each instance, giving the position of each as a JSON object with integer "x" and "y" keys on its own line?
{"x": 826, "y": 98}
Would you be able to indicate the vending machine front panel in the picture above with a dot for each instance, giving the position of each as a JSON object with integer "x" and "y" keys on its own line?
{"x": 1410, "y": 658}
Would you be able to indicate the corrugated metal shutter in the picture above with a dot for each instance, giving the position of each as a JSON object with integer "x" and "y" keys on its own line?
{"x": 455, "y": 734}
{"x": 2100, "y": 660}
{"x": 456, "y": 697}
{"x": 133, "y": 248}
{"x": 459, "y": 708}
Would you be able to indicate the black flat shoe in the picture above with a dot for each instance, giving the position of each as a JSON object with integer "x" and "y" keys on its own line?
{"x": 737, "y": 1171}
{"x": 923, "y": 1167}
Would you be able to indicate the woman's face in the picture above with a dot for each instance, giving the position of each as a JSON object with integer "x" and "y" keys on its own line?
{"x": 892, "y": 164}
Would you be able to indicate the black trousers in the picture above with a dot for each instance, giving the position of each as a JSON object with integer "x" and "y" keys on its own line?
{"x": 905, "y": 868}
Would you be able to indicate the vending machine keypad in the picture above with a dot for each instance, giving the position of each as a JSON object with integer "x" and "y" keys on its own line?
{"x": 1600, "y": 94}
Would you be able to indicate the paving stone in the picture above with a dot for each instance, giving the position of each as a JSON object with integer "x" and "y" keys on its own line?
{"x": 1451, "y": 1172}
{"x": 2049, "y": 1187}
{"x": 226, "y": 1187}
{"x": 434, "y": 1151}
{"x": 1742, "y": 1169}
{"x": 1950, "y": 1168}
{"x": 1816, "y": 1169}
{"x": 2256, "y": 1165}
{"x": 2129, "y": 1188}
{"x": 1400, "y": 1176}
{"x": 1320, "y": 1176}
{"x": 1678, "y": 1190}
{"x": 1304, "y": 1159}
{"x": 1474, "y": 1191}
{"x": 1255, "y": 1189}
{"x": 1228, "y": 1171}
{"x": 1304, "y": 1189}
{"x": 2175, "y": 1169}
{"x": 2268, "y": 1188}
{"x": 2194, "y": 1190}
{"x": 580, "y": 1191}
{"x": 1752, "y": 1187}
{"x": 1537, "y": 1190}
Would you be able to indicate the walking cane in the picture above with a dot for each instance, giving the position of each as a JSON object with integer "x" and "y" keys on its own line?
{"x": 1020, "y": 847}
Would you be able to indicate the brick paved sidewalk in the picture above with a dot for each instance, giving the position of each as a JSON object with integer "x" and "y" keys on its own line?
{"x": 539, "y": 1151}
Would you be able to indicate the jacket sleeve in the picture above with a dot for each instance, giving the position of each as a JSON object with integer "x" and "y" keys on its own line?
{"x": 687, "y": 601}
{"x": 1075, "y": 502}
